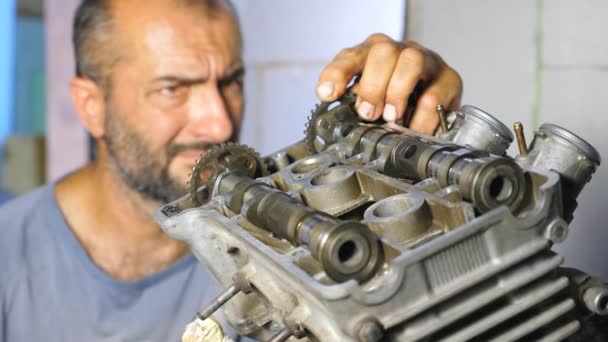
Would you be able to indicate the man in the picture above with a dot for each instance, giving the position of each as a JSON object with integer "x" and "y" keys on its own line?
{"x": 157, "y": 82}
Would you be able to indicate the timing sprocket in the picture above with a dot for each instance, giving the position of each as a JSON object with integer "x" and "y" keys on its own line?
{"x": 322, "y": 122}
{"x": 228, "y": 157}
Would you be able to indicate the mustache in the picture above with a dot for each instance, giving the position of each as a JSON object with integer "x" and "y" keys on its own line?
{"x": 175, "y": 149}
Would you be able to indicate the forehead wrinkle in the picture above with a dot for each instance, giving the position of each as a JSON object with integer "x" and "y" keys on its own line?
{"x": 179, "y": 47}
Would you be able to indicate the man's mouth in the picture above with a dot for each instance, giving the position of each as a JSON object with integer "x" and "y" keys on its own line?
{"x": 192, "y": 155}
{"x": 188, "y": 152}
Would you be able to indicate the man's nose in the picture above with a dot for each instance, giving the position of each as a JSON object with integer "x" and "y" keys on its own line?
{"x": 208, "y": 116}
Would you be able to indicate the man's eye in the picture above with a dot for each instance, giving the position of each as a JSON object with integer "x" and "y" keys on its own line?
{"x": 235, "y": 81}
{"x": 169, "y": 96}
{"x": 170, "y": 91}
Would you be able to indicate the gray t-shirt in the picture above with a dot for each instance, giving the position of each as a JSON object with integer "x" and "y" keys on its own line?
{"x": 50, "y": 290}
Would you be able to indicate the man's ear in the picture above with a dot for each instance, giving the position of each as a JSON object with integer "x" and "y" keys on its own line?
{"x": 89, "y": 102}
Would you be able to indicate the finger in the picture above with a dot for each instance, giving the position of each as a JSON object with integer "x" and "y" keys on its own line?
{"x": 377, "y": 38}
{"x": 406, "y": 75}
{"x": 336, "y": 76}
{"x": 379, "y": 66}
{"x": 446, "y": 90}
{"x": 456, "y": 101}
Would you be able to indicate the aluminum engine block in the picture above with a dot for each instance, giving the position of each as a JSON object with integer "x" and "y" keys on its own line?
{"x": 371, "y": 231}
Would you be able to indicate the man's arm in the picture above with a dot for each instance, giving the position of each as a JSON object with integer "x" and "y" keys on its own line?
{"x": 390, "y": 70}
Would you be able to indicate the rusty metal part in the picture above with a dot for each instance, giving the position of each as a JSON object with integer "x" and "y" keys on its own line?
{"x": 443, "y": 123}
{"x": 518, "y": 128}
{"x": 240, "y": 285}
{"x": 223, "y": 158}
{"x": 321, "y": 125}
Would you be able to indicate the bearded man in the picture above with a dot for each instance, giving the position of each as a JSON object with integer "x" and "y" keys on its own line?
{"x": 157, "y": 82}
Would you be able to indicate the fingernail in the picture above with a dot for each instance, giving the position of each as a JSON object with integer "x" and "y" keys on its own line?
{"x": 390, "y": 113}
{"x": 366, "y": 110}
{"x": 325, "y": 89}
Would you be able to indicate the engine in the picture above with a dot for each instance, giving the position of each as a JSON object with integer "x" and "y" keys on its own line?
{"x": 373, "y": 232}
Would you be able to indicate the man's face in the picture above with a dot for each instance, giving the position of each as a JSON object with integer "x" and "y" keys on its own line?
{"x": 178, "y": 90}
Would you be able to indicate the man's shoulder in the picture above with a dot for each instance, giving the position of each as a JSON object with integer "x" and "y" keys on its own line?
{"x": 24, "y": 223}
{"x": 26, "y": 207}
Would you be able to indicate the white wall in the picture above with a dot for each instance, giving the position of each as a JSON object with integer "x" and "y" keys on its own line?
{"x": 535, "y": 61}
{"x": 66, "y": 144}
{"x": 287, "y": 44}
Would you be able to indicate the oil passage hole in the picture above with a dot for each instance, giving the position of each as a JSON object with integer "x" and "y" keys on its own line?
{"x": 501, "y": 188}
{"x": 410, "y": 151}
{"x": 346, "y": 251}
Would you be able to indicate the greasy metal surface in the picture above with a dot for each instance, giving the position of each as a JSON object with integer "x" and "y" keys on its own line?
{"x": 228, "y": 157}
{"x": 465, "y": 236}
{"x": 473, "y": 127}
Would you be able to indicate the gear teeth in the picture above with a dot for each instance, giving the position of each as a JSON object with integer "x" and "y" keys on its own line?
{"x": 194, "y": 181}
{"x": 320, "y": 109}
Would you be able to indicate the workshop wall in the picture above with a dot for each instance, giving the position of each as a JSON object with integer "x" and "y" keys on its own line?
{"x": 22, "y": 105}
{"x": 534, "y": 61}
{"x": 23, "y": 151}
{"x": 67, "y": 144}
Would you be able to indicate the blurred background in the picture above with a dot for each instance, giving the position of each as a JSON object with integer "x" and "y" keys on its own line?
{"x": 533, "y": 61}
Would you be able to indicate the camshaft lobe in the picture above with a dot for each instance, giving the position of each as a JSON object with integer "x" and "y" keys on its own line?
{"x": 345, "y": 249}
{"x": 484, "y": 179}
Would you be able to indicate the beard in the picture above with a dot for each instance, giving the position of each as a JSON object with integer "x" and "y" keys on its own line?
{"x": 142, "y": 169}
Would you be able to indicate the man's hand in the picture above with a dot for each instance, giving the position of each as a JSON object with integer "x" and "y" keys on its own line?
{"x": 390, "y": 71}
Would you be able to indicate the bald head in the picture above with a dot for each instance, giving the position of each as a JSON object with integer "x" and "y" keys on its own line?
{"x": 96, "y": 37}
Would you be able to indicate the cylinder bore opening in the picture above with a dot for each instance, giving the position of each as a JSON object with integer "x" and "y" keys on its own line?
{"x": 350, "y": 254}
{"x": 500, "y": 188}
{"x": 307, "y": 165}
{"x": 329, "y": 177}
{"x": 347, "y": 251}
{"x": 393, "y": 206}
{"x": 410, "y": 151}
